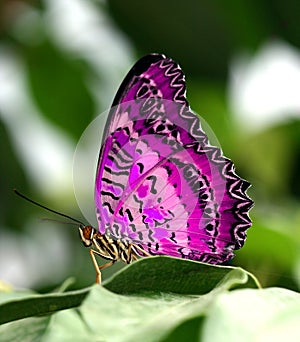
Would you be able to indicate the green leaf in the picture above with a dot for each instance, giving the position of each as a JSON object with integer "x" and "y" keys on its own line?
{"x": 150, "y": 275}
{"x": 33, "y": 305}
{"x": 157, "y": 299}
{"x": 147, "y": 276}
{"x": 166, "y": 274}
{"x": 131, "y": 318}
{"x": 63, "y": 326}
{"x": 254, "y": 315}
{"x": 30, "y": 329}
{"x": 245, "y": 314}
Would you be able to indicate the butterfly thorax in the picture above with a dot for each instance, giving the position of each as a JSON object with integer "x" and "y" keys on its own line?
{"x": 108, "y": 248}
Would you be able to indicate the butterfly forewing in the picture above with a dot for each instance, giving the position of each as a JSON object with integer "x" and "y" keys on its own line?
{"x": 159, "y": 183}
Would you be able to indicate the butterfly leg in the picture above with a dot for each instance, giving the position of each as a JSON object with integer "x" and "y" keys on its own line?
{"x": 140, "y": 249}
{"x": 131, "y": 254}
{"x": 97, "y": 267}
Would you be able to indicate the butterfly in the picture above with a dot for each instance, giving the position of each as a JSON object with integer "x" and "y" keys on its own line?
{"x": 160, "y": 187}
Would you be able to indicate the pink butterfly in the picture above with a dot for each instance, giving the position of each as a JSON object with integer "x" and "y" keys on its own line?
{"x": 161, "y": 188}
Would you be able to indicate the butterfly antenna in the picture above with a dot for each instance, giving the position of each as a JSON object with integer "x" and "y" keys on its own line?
{"x": 57, "y": 221}
{"x": 46, "y": 208}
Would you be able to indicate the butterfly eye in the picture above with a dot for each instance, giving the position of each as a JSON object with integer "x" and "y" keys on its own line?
{"x": 85, "y": 234}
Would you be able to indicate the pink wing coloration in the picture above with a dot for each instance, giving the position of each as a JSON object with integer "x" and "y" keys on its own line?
{"x": 159, "y": 183}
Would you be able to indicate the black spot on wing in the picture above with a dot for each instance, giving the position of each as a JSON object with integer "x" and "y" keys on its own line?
{"x": 107, "y": 204}
{"x": 107, "y": 193}
{"x": 116, "y": 173}
{"x": 128, "y": 212}
{"x": 153, "y": 183}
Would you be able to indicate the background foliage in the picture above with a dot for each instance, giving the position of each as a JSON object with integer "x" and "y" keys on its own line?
{"x": 61, "y": 63}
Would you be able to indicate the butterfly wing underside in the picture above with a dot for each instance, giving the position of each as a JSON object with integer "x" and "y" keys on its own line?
{"x": 159, "y": 183}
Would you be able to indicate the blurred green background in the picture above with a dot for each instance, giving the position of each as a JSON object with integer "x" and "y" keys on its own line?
{"x": 61, "y": 63}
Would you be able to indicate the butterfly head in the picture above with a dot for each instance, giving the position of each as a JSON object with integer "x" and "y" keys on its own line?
{"x": 86, "y": 235}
